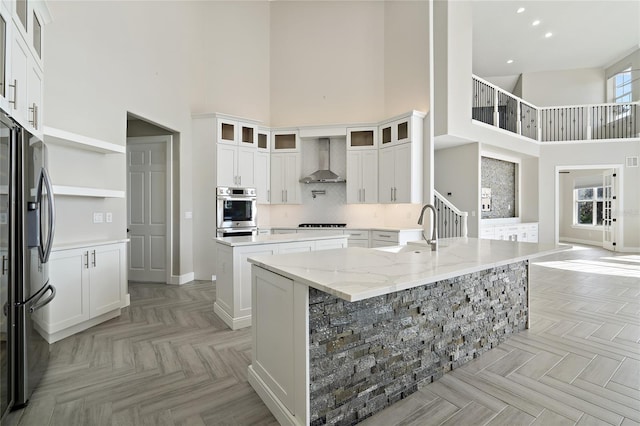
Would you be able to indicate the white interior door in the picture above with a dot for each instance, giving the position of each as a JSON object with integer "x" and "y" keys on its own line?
{"x": 609, "y": 209}
{"x": 147, "y": 213}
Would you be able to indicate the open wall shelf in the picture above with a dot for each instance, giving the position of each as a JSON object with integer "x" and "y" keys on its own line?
{"x": 72, "y": 140}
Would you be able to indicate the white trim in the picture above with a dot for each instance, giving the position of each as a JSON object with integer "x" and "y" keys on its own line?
{"x": 579, "y": 241}
{"x": 279, "y": 411}
{"x": 629, "y": 250}
{"x": 181, "y": 279}
{"x": 232, "y": 323}
{"x": 619, "y": 170}
{"x": 70, "y": 331}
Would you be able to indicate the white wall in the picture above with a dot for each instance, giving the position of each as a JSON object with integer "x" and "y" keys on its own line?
{"x": 594, "y": 155}
{"x": 457, "y": 170}
{"x": 566, "y": 87}
{"x": 327, "y": 62}
{"x": 406, "y": 57}
{"x": 102, "y": 60}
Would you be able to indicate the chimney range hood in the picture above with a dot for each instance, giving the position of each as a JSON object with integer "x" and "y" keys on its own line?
{"x": 323, "y": 174}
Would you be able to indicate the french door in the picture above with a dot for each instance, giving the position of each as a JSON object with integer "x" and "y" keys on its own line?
{"x": 609, "y": 210}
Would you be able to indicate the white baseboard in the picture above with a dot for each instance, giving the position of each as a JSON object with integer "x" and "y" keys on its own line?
{"x": 232, "y": 323}
{"x": 279, "y": 411}
{"x": 181, "y": 279}
{"x": 579, "y": 241}
{"x": 69, "y": 331}
{"x": 127, "y": 300}
{"x": 629, "y": 250}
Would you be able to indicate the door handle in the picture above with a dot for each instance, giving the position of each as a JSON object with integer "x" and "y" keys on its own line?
{"x": 268, "y": 195}
{"x": 364, "y": 196}
{"x": 39, "y": 304}
{"x": 4, "y": 268}
{"x": 15, "y": 94}
{"x": 45, "y": 248}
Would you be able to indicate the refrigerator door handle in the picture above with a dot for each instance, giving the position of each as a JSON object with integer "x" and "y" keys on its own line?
{"x": 40, "y": 303}
{"x": 45, "y": 248}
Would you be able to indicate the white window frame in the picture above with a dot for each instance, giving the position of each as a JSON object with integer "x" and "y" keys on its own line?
{"x": 594, "y": 224}
{"x": 617, "y": 96}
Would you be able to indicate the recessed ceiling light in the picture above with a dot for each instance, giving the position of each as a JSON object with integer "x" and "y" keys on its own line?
{"x": 549, "y": 34}
{"x": 520, "y": 10}
{"x": 510, "y": 61}
{"x": 536, "y": 22}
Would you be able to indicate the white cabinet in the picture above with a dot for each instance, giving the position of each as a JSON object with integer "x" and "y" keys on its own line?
{"x": 263, "y": 177}
{"x": 362, "y": 176}
{"x": 91, "y": 287}
{"x": 357, "y": 237}
{"x": 283, "y": 140}
{"x": 22, "y": 73}
{"x": 398, "y": 175}
{"x": 522, "y": 232}
{"x": 362, "y": 138}
{"x": 400, "y": 160}
{"x": 236, "y": 152}
{"x": 385, "y": 238}
{"x": 233, "y": 274}
{"x": 285, "y": 175}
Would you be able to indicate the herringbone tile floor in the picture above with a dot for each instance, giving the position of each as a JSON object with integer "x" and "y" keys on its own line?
{"x": 169, "y": 360}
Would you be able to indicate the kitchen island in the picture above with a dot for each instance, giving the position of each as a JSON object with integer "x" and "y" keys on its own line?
{"x": 233, "y": 279}
{"x": 341, "y": 334}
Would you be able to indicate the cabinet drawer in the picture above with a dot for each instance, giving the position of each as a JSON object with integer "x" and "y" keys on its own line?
{"x": 357, "y": 234}
{"x": 384, "y": 236}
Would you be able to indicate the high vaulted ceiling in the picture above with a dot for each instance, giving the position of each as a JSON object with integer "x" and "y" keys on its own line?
{"x": 585, "y": 34}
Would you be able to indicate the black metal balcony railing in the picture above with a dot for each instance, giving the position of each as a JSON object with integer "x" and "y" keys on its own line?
{"x": 497, "y": 107}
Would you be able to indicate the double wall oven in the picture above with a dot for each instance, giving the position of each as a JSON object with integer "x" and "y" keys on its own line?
{"x": 236, "y": 213}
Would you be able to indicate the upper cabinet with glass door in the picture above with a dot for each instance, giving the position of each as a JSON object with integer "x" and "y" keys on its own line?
{"x": 235, "y": 132}
{"x": 400, "y": 129}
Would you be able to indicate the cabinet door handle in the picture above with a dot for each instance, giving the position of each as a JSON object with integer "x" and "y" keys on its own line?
{"x": 268, "y": 195}
{"x": 364, "y": 197}
{"x": 4, "y": 268}
{"x": 15, "y": 94}
{"x": 282, "y": 195}
{"x": 239, "y": 180}
{"x": 94, "y": 258}
{"x": 86, "y": 260}
{"x": 34, "y": 110}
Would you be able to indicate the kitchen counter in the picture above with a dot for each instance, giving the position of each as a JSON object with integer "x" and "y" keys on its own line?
{"x": 254, "y": 240}
{"x": 357, "y": 273}
{"x": 341, "y": 334}
{"x": 233, "y": 280}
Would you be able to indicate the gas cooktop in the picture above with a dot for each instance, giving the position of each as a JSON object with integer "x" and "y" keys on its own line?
{"x": 322, "y": 225}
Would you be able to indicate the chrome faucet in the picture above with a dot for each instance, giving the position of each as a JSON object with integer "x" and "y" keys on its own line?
{"x": 433, "y": 242}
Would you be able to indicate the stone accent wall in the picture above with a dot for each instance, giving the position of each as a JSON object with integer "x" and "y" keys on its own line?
{"x": 500, "y": 176}
{"x": 369, "y": 354}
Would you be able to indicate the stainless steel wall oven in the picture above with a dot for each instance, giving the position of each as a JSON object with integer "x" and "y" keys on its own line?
{"x": 236, "y": 211}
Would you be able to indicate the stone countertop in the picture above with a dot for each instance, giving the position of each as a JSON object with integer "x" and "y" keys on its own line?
{"x": 347, "y": 228}
{"x": 278, "y": 238}
{"x": 357, "y": 273}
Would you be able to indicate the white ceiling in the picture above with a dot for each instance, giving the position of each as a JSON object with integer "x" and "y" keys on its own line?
{"x": 586, "y": 34}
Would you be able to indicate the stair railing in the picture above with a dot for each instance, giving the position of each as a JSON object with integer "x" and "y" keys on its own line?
{"x": 451, "y": 221}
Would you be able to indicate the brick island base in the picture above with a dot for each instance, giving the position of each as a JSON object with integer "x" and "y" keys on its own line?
{"x": 319, "y": 359}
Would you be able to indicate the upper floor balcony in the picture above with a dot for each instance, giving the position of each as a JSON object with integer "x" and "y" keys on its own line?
{"x": 495, "y": 106}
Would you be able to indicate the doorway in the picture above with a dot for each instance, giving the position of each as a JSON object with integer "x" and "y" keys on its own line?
{"x": 150, "y": 175}
{"x": 588, "y": 202}
{"x": 148, "y": 207}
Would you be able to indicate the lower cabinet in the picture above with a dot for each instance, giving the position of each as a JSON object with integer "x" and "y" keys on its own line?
{"x": 380, "y": 238}
{"x": 91, "y": 287}
{"x": 233, "y": 274}
{"x": 523, "y": 232}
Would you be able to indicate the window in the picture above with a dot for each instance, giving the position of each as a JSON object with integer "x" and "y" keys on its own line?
{"x": 620, "y": 93}
{"x": 589, "y": 205}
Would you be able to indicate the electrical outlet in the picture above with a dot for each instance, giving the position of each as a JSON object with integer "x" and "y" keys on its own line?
{"x": 108, "y": 217}
{"x": 98, "y": 217}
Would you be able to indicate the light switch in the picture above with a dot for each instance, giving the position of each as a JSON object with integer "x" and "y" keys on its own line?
{"x": 108, "y": 217}
{"x": 98, "y": 217}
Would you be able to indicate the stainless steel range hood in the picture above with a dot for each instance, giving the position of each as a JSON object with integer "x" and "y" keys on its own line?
{"x": 324, "y": 173}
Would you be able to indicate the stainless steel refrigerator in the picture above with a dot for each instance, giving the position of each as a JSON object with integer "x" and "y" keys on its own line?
{"x": 27, "y": 223}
